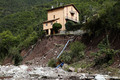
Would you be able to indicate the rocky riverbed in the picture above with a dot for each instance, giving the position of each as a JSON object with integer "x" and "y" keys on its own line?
{"x": 24, "y": 72}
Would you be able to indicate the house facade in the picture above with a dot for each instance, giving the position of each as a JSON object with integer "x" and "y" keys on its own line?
{"x": 60, "y": 15}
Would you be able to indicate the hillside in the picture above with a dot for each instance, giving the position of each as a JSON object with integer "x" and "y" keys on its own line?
{"x": 39, "y": 55}
{"x": 23, "y": 40}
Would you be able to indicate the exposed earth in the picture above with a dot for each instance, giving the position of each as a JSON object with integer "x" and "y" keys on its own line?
{"x": 36, "y": 57}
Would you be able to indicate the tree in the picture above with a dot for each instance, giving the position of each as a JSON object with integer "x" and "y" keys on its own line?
{"x": 69, "y": 25}
{"x": 57, "y": 26}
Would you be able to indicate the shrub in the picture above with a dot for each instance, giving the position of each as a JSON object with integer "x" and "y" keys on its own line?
{"x": 31, "y": 39}
{"x": 17, "y": 59}
{"x": 76, "y": 53}
{"x": 57, "y": 26}
{"x": 105, "y": 53}
{"x": 52, "y": 63}
{"x": 66, "y": 57}
{"x": 77, "y": 48}
{"x": 69, "y": 25}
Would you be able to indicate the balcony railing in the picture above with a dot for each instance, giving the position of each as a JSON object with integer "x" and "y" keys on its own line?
{"x": 70, "y": 18}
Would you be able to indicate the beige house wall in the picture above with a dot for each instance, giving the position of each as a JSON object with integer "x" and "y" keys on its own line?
{"x": 58, "y": 13}
{"x": 67, "y": 13}
{"x": 49, "y": 25}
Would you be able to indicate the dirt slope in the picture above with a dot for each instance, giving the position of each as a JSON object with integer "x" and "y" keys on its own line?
{"x": 46, "y": 49}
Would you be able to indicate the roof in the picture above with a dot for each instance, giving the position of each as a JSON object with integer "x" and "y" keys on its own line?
{"x": 63, "y": 7}
{"x": 50, "y": 20}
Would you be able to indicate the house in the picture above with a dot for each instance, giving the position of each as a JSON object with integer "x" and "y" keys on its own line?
{"x": 60, "y": 15}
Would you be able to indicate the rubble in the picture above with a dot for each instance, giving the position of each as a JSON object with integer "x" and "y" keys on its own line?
{"x": 24, "y": 72}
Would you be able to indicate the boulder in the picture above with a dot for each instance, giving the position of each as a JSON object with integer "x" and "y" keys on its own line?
{"x": 71, "y": 69}
{"x": 79, "y": 70}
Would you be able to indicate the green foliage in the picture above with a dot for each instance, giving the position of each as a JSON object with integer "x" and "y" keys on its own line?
{"x": 52, "y": 63}
{"x": 66, "y": 57}
{"x": 71, "y": 26}
{"x": 57, "y": 26}
{"x": 31, "y": 39}
{"x": 7, "y": 40}
{"x": 76, "y": 47}
{"x": 14, "y": 52}
{"x": 106, "y": 20}
{"x": 76, "y": 53}
{"x": 17, "y": 59}
{"x": 105, "y": 54}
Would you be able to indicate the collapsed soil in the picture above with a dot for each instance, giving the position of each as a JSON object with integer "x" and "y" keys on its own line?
{"x": 50, "y": 46}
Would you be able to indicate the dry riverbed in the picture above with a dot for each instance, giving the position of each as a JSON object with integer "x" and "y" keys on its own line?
{"x": 24, "y": 72}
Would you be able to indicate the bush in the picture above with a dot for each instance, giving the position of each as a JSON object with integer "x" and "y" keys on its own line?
{"x": 76, "y": 53}
{"x": 77, "y": 48}
{"x": 31, "y": 39}
{"x": 71, "y": 26}
{"x": 52, "y": 63}
{"x": 105, "y": 54}
{"x": 57, "y": 26}
{"x": 66, "y": 57}
{"x": 17, "y": 59}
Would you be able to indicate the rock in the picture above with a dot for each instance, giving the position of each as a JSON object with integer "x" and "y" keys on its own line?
{"x": 74, "y": 78}
{"x": 65, "y": 66}
{"x": 57, "y": 45}
{"x": 71, "y": 69}
{"x": 119, "y": 65}
{"x": 109, "y": 73}
{"x": 82, "y": 76}
{"x": 99, "y": 77}
{"x": 79, "y": 70}
{"x": 56, "y": 52}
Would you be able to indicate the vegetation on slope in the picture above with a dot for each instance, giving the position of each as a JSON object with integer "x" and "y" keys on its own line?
{"x": 21, "y": 20}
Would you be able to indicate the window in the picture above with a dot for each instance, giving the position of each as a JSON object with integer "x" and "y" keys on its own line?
{"x": 54, "y": 16}
{"x": 46, "y": 24}
{"x": 51, "y": 23}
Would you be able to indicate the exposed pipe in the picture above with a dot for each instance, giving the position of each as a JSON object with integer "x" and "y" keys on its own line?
{"x": 64, "y": 48}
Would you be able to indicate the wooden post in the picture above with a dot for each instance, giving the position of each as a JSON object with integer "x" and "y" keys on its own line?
{"x": 49, "y": 32}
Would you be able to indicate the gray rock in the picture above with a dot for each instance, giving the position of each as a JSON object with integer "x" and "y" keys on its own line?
{"x": 71, "y": 69}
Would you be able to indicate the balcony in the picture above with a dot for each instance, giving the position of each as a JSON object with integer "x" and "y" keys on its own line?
{"x": 69, "y": 18}
{"x": 72, "y": 12}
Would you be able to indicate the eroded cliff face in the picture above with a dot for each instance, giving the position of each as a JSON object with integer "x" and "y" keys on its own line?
{"x": 44, "y": 49}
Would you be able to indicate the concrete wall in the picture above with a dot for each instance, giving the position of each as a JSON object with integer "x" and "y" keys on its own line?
{"x": 77, "y": 32}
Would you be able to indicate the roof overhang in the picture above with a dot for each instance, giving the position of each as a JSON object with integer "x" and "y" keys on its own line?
{"x": 63, "y": 7}
{"x": 50, "y": 20}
